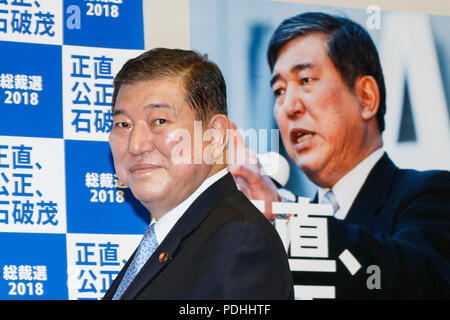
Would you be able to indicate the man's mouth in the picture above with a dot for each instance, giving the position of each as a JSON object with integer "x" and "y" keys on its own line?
{"x": 143, "y": 168}
{"x": 300, "y": 138}
{"x": 303, "y": 137}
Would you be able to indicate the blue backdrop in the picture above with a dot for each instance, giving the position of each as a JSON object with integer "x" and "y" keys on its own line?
{"x": 67, "y": 224}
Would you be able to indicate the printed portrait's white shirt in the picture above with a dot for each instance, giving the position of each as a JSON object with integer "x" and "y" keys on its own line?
{"x": 347, "y": 188}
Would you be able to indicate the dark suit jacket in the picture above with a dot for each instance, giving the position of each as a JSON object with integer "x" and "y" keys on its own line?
{"x": 399, "y": 221}
{"x": 221, "y": 248}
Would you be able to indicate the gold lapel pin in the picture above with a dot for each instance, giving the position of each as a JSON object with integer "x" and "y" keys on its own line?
{"x": 163, "y": 256}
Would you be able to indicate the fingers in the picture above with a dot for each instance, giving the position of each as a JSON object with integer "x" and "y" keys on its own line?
{"x": 251, "y": 174}
{"x": 244, "y": 165}
{"x": 243, "y": 186}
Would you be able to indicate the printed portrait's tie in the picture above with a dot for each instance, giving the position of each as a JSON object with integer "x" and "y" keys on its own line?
{"x": 330, "y": 198}
{"x": 146, "y": 248}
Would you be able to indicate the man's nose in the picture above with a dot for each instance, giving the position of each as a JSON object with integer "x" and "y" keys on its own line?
{"x": 293, "y": 103}
{"x": 141, "y": 139}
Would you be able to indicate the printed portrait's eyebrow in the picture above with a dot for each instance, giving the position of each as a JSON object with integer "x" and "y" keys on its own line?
{"x": 295, "y": 68}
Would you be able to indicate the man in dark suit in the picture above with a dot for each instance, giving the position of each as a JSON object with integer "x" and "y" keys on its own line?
{"x": 329, "y": 105}
{"x": 205, "y": 240}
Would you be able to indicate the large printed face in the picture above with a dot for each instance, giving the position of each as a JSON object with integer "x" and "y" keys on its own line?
{"x": 318, "y": 115}
{"x": 148, "y": 118}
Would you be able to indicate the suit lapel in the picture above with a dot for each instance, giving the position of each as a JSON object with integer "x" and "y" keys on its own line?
{"x": 373, "y": 193}
{"x": 188, "y": 222}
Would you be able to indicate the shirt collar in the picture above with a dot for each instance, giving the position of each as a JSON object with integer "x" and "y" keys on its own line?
{"x": 167, "y": 221}
{"x": 347, "y": 188}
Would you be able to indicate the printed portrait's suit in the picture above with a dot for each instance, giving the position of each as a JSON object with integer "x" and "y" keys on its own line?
{"x": 399, "y": 222}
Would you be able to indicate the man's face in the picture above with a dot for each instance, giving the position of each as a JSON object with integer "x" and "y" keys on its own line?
{"x": 318, "y": 115}
{"x": 147, "y": 121}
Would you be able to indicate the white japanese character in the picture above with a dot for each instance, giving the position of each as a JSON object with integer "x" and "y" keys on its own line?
{"x": 106, "y": 180}
{"x": 21, "y": 82}
{"x": 10, "y": 272}
{"x": 35, "y": 83}
{"x": 40, "y": 273}
{"x": 25, "y": 272}
{"x": 6, "y": 81}
{"x": 92, "y": 180}
{"x": 118, "y": 183}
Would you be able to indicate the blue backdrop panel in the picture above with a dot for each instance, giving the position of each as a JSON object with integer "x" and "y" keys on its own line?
{"x": 31, "y": 90}
{"x": 33, "y": 266}
{"x": 49, "y": 184}
{"x": 120, "y": 24}
{"x": 96, "y": 201}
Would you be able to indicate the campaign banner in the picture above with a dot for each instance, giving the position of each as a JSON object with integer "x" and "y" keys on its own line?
{"x": 88, "y": 75}
{"x": 94, "y": 260}
{"x": 30, "y": 168}
{"x": 97, "y": 201}
{"x": 32, "y": 266}
{"x": 107, "y": 24}
{"x": 58, "y": 60}
{"x": 31, "y": 90}
{"x": 31, "y": 21}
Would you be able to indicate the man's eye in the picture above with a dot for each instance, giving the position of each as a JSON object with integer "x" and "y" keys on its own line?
{"x": 159, "y": 122}
{"x": 278, "y": 92}
{"x": 306, "y": 80}
{"x": 121, "y": 124}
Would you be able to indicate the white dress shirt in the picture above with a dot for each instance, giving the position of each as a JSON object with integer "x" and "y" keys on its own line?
{"x": 347, "y": 188}
{"x": 167, "y": 221}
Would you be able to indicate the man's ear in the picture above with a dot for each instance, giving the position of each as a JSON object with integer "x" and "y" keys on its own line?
{"x": 368, "y": 95}
{"x": 217, "y": 133}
